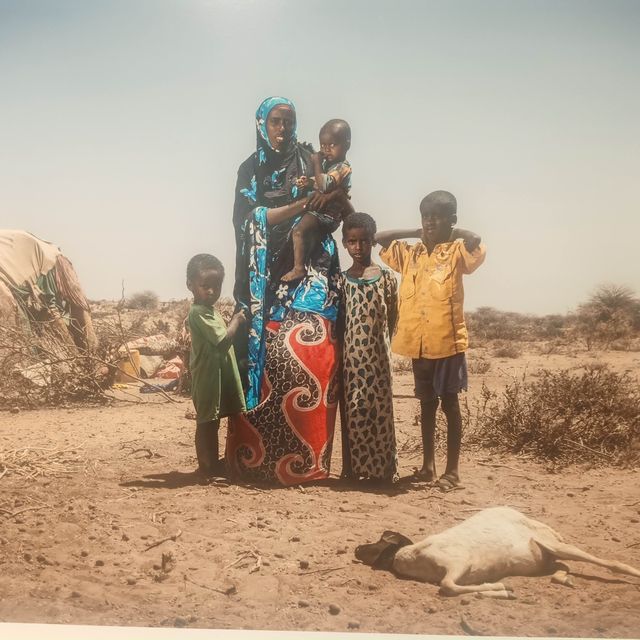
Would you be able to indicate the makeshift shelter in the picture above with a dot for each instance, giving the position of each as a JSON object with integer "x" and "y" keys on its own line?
{"x": 39, "y": 284}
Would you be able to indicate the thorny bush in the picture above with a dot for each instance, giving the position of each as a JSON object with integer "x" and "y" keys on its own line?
{"x": 564, "y": 417}
{"x": 40, "y": 368}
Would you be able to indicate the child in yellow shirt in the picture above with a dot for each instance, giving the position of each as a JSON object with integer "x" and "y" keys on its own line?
{"x": 431, "y": 328}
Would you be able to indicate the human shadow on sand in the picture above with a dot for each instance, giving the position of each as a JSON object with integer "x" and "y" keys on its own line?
{"x": 181, "y": 479}
{"x": 174, "y": 480}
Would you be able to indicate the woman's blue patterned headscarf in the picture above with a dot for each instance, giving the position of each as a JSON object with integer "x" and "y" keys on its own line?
{"x": 276, "y": 172}
{"x": 265, "y": 108}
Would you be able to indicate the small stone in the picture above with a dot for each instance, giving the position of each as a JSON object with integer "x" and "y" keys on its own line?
{"x": 115, "y": 527}
{"x": 266, "y": 563}
{"x": 99, "y": 563}
{"x": 157, "y": 567}
{"x": 341, "y": 552}
{"x": 616, "y": 539}
{"x": 343, "y": 509}
{"x": 294, "y": 539}
{"x": 570, "y": 494}
{"x": 92, "y": 537}
{"x": 551, "y": 630}
{"x": 75, "y": 594}
{"x": 303, "y": 604}
{"x": 635, "y": 520}
{"x": 180, "y": 622}
{"x": 125, "y": 537}
{"x": 131, "y": 581}
{"x": 353, "y": 625}
{"x": 15, "y": 409}
{"x": 84, "y": 553}
{"x": 27, "y": 557}
{"x": 490, "y": 476}
{"x": 432, "y": 610}
{"x": 334, "y": 609}
{"x": 465, "y": 601}
{"x": 304, "y": 564}
{"x": 372, "y": 587}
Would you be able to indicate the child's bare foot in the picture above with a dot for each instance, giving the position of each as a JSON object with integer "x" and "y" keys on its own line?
{"x": 424, "y": 475}
{"x": 297, "y": 273}
{"x": 449, "y": 482}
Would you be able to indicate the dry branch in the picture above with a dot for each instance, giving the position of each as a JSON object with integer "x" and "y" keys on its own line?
{"x": 157, "y": 543}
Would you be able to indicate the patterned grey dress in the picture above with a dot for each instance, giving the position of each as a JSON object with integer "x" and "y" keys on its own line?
{"x": 369, "y": 313}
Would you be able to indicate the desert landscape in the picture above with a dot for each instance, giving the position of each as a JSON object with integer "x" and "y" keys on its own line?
{"x": 103, "y": 521}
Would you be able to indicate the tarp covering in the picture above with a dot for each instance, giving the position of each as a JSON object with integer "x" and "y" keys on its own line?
{"x": 24, "y": 258}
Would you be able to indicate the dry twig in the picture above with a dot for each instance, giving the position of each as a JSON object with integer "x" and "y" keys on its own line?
{"x": 157, "y": 543}
{"x": 229, "y": 591}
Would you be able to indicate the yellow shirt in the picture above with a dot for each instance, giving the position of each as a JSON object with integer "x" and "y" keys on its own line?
{"x": 431, "y": 323}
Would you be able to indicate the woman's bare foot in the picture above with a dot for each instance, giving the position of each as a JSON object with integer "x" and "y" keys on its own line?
{"x": 297, "y": 273}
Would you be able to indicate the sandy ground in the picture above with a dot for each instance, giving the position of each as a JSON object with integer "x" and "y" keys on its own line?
{"x": 77, "y": 547}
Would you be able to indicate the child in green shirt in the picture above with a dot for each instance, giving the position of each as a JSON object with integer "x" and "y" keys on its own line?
{"x": 215, "y": 388}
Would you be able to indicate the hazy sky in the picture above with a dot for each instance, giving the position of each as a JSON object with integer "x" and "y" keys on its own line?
{"x": 123, "y": 122}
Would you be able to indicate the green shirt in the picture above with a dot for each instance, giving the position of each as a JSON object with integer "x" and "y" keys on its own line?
{"x": 215, "y": 388}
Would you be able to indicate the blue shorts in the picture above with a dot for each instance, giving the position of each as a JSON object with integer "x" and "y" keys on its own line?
{"x": 435, "y": 378}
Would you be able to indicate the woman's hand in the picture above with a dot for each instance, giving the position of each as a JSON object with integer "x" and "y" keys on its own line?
{"x": 318, "y": 201}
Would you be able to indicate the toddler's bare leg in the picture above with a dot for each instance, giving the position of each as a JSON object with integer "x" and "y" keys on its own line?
{"x": 301, "y": 233}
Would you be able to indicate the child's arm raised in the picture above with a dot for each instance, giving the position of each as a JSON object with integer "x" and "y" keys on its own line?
{"x": 471, "y": 240}
{"x": 319, "y": 177}
{"x": 214, "y": 330}
{"x": 385, "y": 238}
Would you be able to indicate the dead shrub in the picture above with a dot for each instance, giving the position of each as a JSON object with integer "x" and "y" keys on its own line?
{"x": 478, "y": 364}
{"x": 563, "y": 417}
{"x": 503, "y": 350}
{"x": 144, "y": 300}
{"x": 40, "y": 369}
{"x": 226, "y": 307}
{"x": 401, "y": 364}
{"x": 611, "y": 315}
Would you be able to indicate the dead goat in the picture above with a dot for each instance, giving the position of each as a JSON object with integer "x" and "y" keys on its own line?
{"x": 474, "y": 555}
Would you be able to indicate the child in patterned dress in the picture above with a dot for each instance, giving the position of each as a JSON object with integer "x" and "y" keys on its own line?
{"x": 368, "y": 316}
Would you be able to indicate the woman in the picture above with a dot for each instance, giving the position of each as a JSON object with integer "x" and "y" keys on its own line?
{"x": 290, "y": 352}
